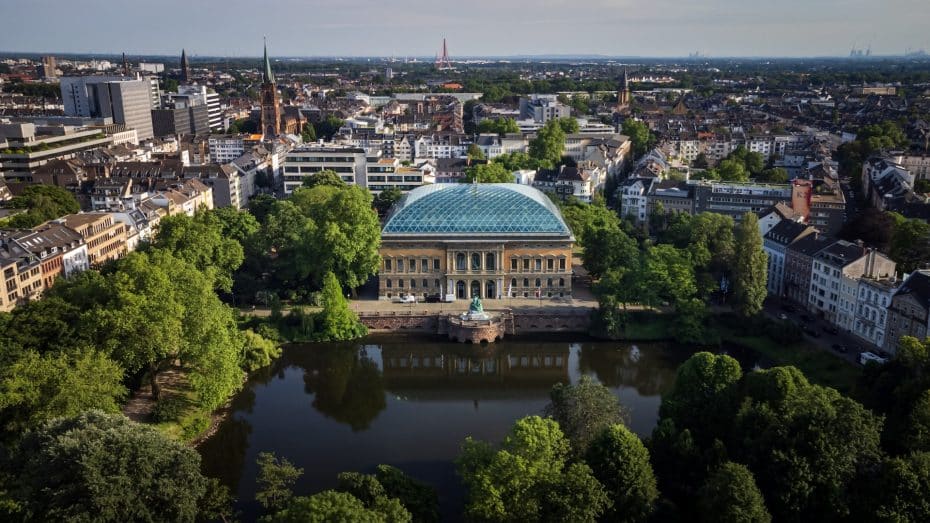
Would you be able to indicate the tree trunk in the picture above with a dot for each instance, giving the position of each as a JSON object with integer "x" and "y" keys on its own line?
{"x": 153, "y": 375}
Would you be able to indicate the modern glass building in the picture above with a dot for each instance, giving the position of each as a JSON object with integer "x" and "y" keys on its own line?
{"x": 490, "y": 240}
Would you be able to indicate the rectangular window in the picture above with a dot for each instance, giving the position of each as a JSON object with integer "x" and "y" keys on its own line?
{"x": 413, "y": 265}
{"x": 413, "y": 284}
{"x": 400, "y": 283}
{"x": 424, "y": 263}
{"x": 435, "y": 264}
{"x": 526, "y": 264}
{"x": 513, "y": 264}
{"x": 387, "y": 265}
{"x": 388, "y": 284}
{"x": 425, "y": 283}
{"x": 538, "y": 264}
{"x": 400, "y": 265}
{"x": 550, "y": 263}
{"x": 562, "y": 264}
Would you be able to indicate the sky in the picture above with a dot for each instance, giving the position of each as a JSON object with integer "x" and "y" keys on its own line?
{"x": 656, "y": 28}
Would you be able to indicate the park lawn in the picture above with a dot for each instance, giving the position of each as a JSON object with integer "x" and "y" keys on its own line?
{"x": 648, "y": 327}
{"x": 819, "y": 366}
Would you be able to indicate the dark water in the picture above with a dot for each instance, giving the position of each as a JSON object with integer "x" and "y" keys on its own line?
{"x": 330, "y": 408}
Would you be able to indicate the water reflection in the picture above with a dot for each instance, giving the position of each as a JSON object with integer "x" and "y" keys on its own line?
{"x": 410, "y": 403}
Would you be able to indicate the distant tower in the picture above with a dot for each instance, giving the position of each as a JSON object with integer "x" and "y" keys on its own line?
{"x": 185, "y": 68}
{"x": 443, "y": 61}
{"x": 125, "y": 65}
{"x": 271, "y": 104}
{"x": 623, "y": 93}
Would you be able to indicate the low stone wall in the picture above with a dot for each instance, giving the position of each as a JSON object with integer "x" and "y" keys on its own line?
{"x": 514, "y": 322}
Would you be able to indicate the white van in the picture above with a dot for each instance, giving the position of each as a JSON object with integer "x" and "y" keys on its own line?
{"x": 866, "y": 357}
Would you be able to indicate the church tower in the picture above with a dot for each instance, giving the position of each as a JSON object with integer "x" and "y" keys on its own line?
{"x": 623, "y": 94}
{"x": 271, "y": 104}
{"x": 185, "y": 68}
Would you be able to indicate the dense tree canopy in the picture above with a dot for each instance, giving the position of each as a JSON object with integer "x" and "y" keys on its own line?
{"x": 201, "y": 241}
{"x": 910, "y": 243}
{"x": 546, "y": 148}
{"x": 42, "y": 203}
{"x": 751, "y": 268}
{"x": 731, "y": 494}
{"x": 620, "y": 462}
{"x": 488, "y": 173}
{"x": 498, "y": 126}
{"x": 583, "y": 411}
{"x": 640, "y": 135}
{"x": 100, "y": 467}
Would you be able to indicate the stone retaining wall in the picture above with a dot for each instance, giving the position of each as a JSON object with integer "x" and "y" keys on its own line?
{"x": 515, "y": 322}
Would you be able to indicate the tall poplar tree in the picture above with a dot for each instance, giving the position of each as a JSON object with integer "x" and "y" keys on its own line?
{"x": 750, "y": 272}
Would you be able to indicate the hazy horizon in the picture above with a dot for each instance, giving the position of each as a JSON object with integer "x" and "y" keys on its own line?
{"x": 480, "y": 28}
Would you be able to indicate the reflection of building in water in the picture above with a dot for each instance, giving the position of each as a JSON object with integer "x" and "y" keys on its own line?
{"x": 530, "y": 365}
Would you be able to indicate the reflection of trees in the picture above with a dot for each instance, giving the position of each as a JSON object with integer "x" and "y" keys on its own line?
{"x": 651, "y": 372}
{"x": 348, "y": 386}
{"x": 224, "y": 453}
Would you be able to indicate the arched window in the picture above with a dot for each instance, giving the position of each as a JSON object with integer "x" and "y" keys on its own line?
{"x": 561, "y": 282}
{"x": 460, "y": 261}
{"x": 490, "y": 290}
{"x": 549, "y": 283}
{"x": 538, "y": 283}
{"x": 475, "y": 261}
{"x": 513, "y": 282}
{"x": 388, "y": 284}
{"x": 413, "y": 284}
{"x": 526, "y": 282}
{"x": 490, "y": 261}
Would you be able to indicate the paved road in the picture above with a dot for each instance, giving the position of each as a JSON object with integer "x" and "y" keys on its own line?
{"x": 825, "y": 340}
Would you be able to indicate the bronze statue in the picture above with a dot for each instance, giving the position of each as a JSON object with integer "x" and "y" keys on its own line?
{"x": 475, "y": 305}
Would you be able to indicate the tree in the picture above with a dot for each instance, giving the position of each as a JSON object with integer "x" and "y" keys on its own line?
{"x": 804, "y": 443}
{"x": 640, "y": 135}
{"x": 775, "y": 175}
{"x": 751, "y": 268}
{"x": 546, "y": 148}
{"x": 35, "y": 388}
{"x": 732, "y": 170}
{"x": 528, "y": 478}
{"x": 704, "y": 397}
{"x": 337, "y": 321}
{"x": 235, "y": 224}
{"x": 731, "y": 494}
{"x": 620, "y": 462}
{"x": 386, "y": 199}
{"x": 42, "y": 203}
{"x": 475, "y": 152}
{"x": 257, "y": 352}
{"x": 910, "y": 243}
{"x": 605, "y": 248}
{"x": 516, "y": 161}
{"x": 328, "y": 127}
{"x": 308, "y": 134}
{"x": 323, "y": 178}
{"x": 897, "y": 490}
{"x": 201, "y": 242}
{"x": 568, "y": 125}
{"x": 420, "y": 499}
{"x": 583, "y": 411}
{"x": 700, "y": 161}
{"x": 275, "y": 479}
{"x": 329, "y": 506}
{"x": 488, "y": 173}
{"x": 103, "y": 467}
{"x": 498, "y": 126}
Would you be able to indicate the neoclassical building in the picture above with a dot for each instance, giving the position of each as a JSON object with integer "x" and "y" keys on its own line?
{"x": 490, "y": 240}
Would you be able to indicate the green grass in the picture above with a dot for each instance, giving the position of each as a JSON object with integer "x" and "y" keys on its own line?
{"x": 819, "y": 366}
{"x": 647, "y": 326}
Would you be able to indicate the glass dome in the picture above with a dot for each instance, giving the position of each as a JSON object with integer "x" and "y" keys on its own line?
{"x": 485, "y": 208}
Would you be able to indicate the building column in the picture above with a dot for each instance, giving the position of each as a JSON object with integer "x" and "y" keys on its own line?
{"x": 500, "y": 287}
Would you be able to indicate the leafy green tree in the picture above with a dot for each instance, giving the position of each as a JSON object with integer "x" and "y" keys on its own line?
{"x": 751, "y": 268}
{"x": 420, "y": 499}
{"x": 732, "y": 170}
{"x": 568, "y": 125}
{"x": 896, "y": 490}
{"x": 261, "y": 206}
{"x": 668, "y": 275}
{"x": 235, "y": 224}
{"x": 546, "y": 148}
{"x": 583, "y": 218}
{"x": 529, "y": 478}
{"x": 42, "y": 203}
{"x": 774, "y": 175}
{"x": 700, "y": 161}
{"x": 475, "y": 152}
{"x": 583, "y": 411}
{"x": 337, "y": 322}
{"x": 516, "y": 161}
{"x": 386, "y": 199}
{"x": 308, "y": 134}
{"x": 275, "y": 479}
{"x": 498, "y": 126}
{"x": 606, "y": 248}
{"x": 910, "y": 243}
{"x": 488, "y": 173}
{"x": 731, "y": 494}
{"x": 322, "y": 178}
{"x": 103, "y": 467}
{"x": 681, "y": 464}
{"x": 620, "y": 462}
{"x": 328, "y": 127}
{"x": 705, "y": 397}
{"x": 329, "y": 506}
{"x": 35, "y": 388}
{"x": 200, "y": 241}
{"x": 640, "y": 135}
{"x": 257, "y": 352}
{"x": 804, "y": 443}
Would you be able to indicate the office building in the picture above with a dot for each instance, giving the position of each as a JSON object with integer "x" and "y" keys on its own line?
{"x": 127, "y": 101}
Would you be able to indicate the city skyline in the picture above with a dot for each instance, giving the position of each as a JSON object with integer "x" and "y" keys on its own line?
{"x": 414, "y": 28}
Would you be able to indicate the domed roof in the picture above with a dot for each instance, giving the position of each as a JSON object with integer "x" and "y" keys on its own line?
{"x": 485, "y": 208}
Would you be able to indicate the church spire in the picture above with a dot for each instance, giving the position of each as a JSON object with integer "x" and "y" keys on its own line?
{"x": 185, "y": 67}
{"x": 267, "y": 75}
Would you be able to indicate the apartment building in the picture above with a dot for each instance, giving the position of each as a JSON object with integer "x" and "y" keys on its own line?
{"x": 26, "y": 147}
{"x": 105, "y": 237}
{"x": 350, "y": 163}
{"x": 835, "y": 276}
{"x": 737, "y": 198}
{"x": 775, "y": 244}
{"x": 871, "y": 318}
{"x": 909, "y": 313}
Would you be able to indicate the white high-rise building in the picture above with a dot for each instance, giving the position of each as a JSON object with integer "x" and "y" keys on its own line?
{"x": 210, "y": 98}
{"x": 126, "y": 100}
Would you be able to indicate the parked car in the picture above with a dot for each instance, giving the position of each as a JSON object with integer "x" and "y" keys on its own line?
{"x": 406, "y": 298}
{"x": 433, "y": 298}
{"x": 866, "y": 357}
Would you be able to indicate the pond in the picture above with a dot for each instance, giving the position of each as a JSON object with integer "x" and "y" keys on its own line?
{"x": 410, "y": 403}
